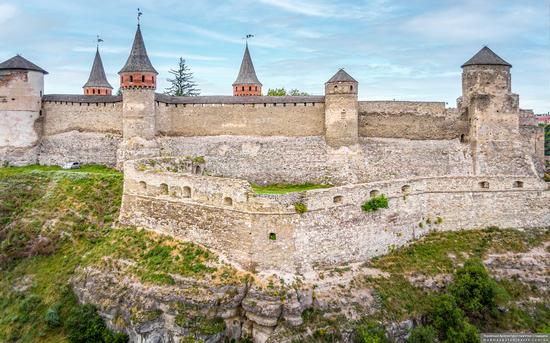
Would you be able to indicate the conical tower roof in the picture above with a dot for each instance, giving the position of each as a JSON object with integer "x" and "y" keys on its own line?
{"x": 138, "y": 61}
{"x": 19, "y": 63}
{"x": 486, "y": 56}
{"x": 97, "y": 75}
{"x": 247, "y": 74}
{"x": 341, "y": 76}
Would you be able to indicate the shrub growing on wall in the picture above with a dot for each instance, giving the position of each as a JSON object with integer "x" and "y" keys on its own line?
{"x": 300, "y": 207}
{"x": 375, "y": 203}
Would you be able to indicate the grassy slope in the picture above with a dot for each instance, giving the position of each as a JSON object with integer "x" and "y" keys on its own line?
{"x": 74, "y": 211}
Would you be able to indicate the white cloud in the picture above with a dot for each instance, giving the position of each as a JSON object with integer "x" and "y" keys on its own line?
{"x": 475, "y": 22}
{"x": 371, "y": 9}
{"x": 7, "y": 12}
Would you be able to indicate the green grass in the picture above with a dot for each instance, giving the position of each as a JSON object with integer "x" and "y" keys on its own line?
{"x": 286, "y": 188}
{"x": 74, "y": 212}
{"x": 440, "y": 252}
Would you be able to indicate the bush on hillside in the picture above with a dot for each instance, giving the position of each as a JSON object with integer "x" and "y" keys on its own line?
{"x": 422, "y": 334}
{"x": 474, "y": 290}
{"x": 85, "y": 325}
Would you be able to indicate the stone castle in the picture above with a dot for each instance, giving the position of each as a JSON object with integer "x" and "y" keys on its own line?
{"x": 189, "y": 161}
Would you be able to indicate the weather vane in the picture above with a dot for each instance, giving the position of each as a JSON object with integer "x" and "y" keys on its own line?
{"x": 139, "y": 14}
{"x": 99, "y": 40}
{"x": 248, "y": 36}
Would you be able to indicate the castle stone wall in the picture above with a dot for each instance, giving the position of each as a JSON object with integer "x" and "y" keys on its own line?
{"x": 65, "y": 116}
{"x": 83, "y": 147}
{"x": 252, "y": 119}
{"x": 411, "y": 120}
{"x": 264, "y": 232}
{"x": 309, "y": 159}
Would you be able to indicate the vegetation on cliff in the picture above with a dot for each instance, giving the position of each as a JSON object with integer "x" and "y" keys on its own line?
{"x": 54, "y": 223}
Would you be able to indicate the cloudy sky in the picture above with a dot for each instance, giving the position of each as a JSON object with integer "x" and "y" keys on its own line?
{"x": 396, "y": 49}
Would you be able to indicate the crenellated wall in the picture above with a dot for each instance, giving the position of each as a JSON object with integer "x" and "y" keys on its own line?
{"x": 64, "y": 113}
{"x": 240, "y": 116}
{"x": 264, "y": 232}
{"x": 410, "y": 120}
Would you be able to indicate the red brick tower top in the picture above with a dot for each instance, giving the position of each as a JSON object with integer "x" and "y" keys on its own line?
{"x": 247, "y": 82}
{"x": 97, "y": 82}
{"x": 138, "y": 72}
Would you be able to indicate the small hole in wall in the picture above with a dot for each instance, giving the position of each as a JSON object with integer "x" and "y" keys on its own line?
{"x": 518, "y": 184}
{"x": 142, "y": 185}
{"x": 272, "y": 236}
{"x": 406, "y": 189}
{"x": 462, "y": 138}
{"x": 484, "y": 184}
{"x": 227, "y": 201}
{"x": 186, "y": 192}
{"x": 198, "y": 170}
{"x": 338, "y": 199}
{"x": 374, "y": 193}
{"x": 164, "y": 189}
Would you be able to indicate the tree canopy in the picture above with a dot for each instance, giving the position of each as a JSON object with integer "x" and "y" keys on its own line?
{"x": 283, "y": 92}
{"x": 183, "y": 83}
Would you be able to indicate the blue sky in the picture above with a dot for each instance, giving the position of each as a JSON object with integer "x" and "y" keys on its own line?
{"x": 403, "y": 50}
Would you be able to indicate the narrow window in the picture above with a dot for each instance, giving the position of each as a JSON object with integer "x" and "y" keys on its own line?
{"x": 142, "y": 78}
{"x": 256, "y": 87}
{"x": 351, "y": 88}
{"x": 518, "y": 184}
{"x": 198, "y": 170}
{"x": 93, "y": 91}
{"x": 374, "y": 193}
{"x": 131, "y": 78}
{"x": 242, "y": 89}
{"x": 227, "y": 201}
{"x": 250, "y": 88}
{"x": 186, "y": 192}
{"x": 335, "y": 86}
{"x": 484, "y": 184}
{"x": 462, "y": 138}
{"x": 338, "y": 199}
{"x": 163, "y": 189}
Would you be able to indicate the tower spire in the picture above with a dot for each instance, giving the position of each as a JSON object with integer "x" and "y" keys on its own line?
{"x": 97, "y": 81}
{"x": 138, "y": 70}
{"x": 247, "y": 82}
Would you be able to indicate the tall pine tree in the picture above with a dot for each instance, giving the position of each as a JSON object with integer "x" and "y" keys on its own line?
{"x": 182, "y": 84}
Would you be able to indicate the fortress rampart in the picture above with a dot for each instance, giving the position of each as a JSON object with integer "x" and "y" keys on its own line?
{"x": 264, "y": 232}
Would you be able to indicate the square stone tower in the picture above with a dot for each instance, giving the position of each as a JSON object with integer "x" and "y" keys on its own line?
{"x": 341, "y": 110}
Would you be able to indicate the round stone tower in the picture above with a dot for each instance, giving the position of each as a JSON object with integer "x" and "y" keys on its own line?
{"x": 341, "y": 110}
{"x": 97, "y": 82}
{"x": 247, "y": 83}
{"x": 486, "y": 73}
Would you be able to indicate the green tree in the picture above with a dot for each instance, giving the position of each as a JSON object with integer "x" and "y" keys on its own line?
{"x": 276, "y": 92}
{"x": 474, "y": 290}
{"x": 182, "y": 84}
{"x": 283, "y": 92}
{"x": 449, "y": 321}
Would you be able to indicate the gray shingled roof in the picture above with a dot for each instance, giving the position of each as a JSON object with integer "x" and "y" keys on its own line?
{"x": 247, "y": 74}
{"x": 341, "y": 76}
{"x": 17, "y": 62}
{"x": 138, "y": 61}
{"x": 486, "y": 56}
{"x": 227, "y": 99}
{"x": 82, "y": 98}
{"x": 97, "y": 75}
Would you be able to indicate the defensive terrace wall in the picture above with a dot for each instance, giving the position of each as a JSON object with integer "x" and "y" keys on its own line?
{"x": 264, "y": 232}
